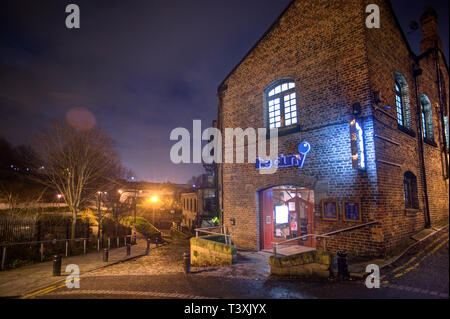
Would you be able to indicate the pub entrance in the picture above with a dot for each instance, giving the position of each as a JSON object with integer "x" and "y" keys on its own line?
{"x": 286, "y": 212}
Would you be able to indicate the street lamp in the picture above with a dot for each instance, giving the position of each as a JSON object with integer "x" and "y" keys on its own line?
{"x": 99, "y": 217}
{"x": 59, "y": 196}
{"x": 154, "y": 200}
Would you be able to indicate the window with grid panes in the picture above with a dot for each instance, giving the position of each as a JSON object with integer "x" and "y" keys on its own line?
{"x": 282, "y": 105}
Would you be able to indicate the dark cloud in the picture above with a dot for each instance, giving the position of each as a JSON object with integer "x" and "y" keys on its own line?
{"x": 141, "y": 67}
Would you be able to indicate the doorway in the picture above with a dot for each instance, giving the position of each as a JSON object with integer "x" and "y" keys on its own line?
{"x": 286, "y": 212}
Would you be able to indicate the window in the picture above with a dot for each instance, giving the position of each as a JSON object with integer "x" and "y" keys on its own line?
{"x": 446, "y": 130}
{"x": 402, "y": 101}
{"x": 410, "y": 188}
{"x": 282, "y": 105}
{"x": 399, "y": 103}
{"x": 427, "y": 118}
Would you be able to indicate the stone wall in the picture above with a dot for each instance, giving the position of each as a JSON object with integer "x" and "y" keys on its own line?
{"x": 209, "y": 251}
{"x": 311, "y": 264}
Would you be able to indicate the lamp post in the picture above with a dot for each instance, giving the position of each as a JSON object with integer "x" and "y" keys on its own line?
{"x": 99, "y": 212}
{"x": 154, "y": 200}
{"x": 134, "y": 208}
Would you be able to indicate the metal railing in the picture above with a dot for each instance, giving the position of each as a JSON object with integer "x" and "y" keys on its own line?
{"x": 207, "y": 230}
{"x": 276, "y": 245}
{"x": 324, "y": 236}
{"x": 42, "y": 243}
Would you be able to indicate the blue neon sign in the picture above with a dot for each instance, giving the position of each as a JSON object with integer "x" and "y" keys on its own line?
{"x": 296, "y": 160}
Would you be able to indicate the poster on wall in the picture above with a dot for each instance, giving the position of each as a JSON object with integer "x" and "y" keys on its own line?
{"x": 351, "y": 210}
{"x": 330, "y": 209}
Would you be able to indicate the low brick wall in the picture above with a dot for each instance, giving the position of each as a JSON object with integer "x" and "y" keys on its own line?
{"x": 311, "y": 264}
{"x": 211, "y": 251}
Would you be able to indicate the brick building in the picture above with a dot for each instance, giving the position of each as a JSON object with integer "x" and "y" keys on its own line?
{"x": 199, "y": 203}
{"x": 374, "y": 114}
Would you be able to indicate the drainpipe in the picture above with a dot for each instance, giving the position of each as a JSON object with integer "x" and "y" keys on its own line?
{"x": 441, "y": 110}
{"x": 220, "y": 91}
{"x": 417, "y": 73}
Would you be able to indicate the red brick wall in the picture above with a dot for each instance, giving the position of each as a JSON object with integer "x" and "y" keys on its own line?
{"x": 335, "y": 61}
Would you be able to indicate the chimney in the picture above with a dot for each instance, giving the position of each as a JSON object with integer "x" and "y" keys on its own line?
{"x": 429, "y": 21}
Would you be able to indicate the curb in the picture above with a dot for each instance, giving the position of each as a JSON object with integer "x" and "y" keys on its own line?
{"x": 56, "y": 282}
{"x": 28, "y": 294}
{"x": 362, "y": 274}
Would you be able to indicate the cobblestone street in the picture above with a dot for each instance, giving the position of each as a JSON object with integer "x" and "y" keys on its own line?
{"x": 423, "y": 273}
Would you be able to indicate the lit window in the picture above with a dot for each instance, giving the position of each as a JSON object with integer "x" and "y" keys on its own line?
{"x": 402, "y": 101}
{"x": 282, "y": 105}
{"x": 427, "y": 117}
{"x": 446, "y": 130}
{"x": 399, "y": 103}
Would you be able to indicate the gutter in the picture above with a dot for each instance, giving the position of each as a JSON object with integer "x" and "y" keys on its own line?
{"x": 416, "y": 74}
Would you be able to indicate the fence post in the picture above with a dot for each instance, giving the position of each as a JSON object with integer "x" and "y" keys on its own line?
{"x": 84, "y": 245}
{"x": 42, "y": 252}
{"x": 98, "y": 244}
{"x": 3, "y": 258}
{"x": 67, "y": 248}
{"x": 118, "y": 241}
{"x": 109, "y": 243}
{"x": 125, "y": 240}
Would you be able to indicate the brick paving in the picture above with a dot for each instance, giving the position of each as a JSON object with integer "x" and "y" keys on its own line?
{"x": 168, "y": 259}
{"x": 160, "y": 275}
{"x": 23, "y": 280}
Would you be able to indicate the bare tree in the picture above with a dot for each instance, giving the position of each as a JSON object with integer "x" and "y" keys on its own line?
{"x": 77, "y": 163}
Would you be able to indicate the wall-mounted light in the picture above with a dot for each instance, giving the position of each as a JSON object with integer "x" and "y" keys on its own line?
{"x": 356, "y": 109}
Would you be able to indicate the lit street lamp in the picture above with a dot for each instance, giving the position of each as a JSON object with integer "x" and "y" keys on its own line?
{"x": 154, "y": 200}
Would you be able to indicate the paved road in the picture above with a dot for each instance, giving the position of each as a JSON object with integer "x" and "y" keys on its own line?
{"x": 421, "y": 274}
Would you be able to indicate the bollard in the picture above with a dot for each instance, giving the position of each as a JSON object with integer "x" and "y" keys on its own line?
{"x": 128, "y": 249}
{"x": 57, "y": 261}
{"x": 67, "y": 248}
{"x": 84, "y": 246}
{"x": 98, "y": 244}
{"x": 118, "y": 242}
{"x": 342, "y": 264}
{"x": 109, "y": 243}
{"x": 148, "y": 246}
{"x": 42, "y": 252}
{"x": 187, "y": 263}
{"x": 3, "y": 258}
{"x": 105, "y": 255}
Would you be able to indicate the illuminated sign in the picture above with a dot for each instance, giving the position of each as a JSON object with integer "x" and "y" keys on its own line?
{"x": 296, "y": 160}
{"x": 357, "y": 145}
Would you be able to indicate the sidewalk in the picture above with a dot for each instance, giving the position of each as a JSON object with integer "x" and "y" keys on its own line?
{"x": 21, "y": 281}
{"x": 358, "y": 270}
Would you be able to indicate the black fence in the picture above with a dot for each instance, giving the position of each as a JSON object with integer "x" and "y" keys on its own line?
{"x": 16, "y": 229}
{"x": 29, "y": 239}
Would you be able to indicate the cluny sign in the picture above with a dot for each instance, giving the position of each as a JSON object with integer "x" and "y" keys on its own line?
{"x": 296, "y": 160}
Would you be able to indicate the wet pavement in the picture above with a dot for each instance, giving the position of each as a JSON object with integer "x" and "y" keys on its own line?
{"x": 421, "y": 274}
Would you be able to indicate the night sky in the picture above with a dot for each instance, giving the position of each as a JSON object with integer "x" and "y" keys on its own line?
{"x": 141, "y": 68}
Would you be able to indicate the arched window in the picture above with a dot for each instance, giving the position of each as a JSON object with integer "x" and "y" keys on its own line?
{"x": 427, "y": 117}
{"x": 410, "y": 188}
{"x": 281, "y": 100}
{"x": 402, "y": 101}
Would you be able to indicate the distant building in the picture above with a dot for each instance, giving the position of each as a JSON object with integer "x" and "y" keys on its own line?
{"x": 199, "y": 204}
